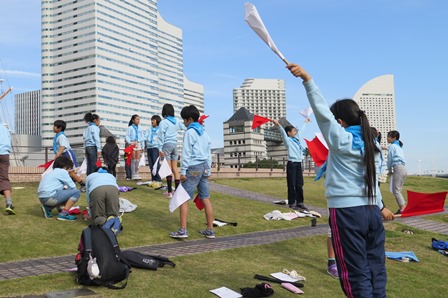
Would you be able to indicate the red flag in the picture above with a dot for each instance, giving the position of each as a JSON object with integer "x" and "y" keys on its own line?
{"x": 317, "y": 150}
{"x": 98, "y": 163}
{"x": 128, "y": 154}
{"x": 259, "y": 121}
{"x": 202, "y": 118}
{"x": 424, "y": 203}
{"x": 46, "y": 165}
{"x": 198, "y": 203}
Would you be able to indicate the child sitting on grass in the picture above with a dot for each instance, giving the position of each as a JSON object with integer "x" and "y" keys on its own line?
{"x": 57, "y": 189}
{"x": 195, "y": 170}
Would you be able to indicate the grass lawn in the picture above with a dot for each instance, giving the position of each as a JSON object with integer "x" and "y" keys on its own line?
{"x": 314, "y": 191}
{"x": 35, "y": 236}
{"x": 234, "y": 268}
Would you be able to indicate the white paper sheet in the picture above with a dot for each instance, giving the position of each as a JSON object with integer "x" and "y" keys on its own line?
{"x": 306, "y": 112}
{"x": 180, "y": 196}
{"x": 283, "y": 276}
{"x": 254, "y": 20}
{"x": 154, "y": 169}
{"x": 83, "y": 168}
{"x": 142, "y": 161}
{"x": 224, "y": 292}
{"x": 165, "y": 169}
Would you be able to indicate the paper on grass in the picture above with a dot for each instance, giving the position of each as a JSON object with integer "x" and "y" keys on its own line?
{"x": 225, "y": 292}
{"x": 284, "y": 277}
{"x": 49, "y": 170}
{"x": 180, "y": 196}
{"x": 306, "y": 112}
{"x": 142, "y": 161}
{"x": 254, "y": 20}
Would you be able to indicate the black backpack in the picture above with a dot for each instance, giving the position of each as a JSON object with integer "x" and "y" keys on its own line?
{"x": 151, "y": 262}
{"x": 101, "y": 244}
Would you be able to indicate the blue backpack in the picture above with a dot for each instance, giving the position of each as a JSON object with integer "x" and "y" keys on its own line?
{"x": 440, "y": 246}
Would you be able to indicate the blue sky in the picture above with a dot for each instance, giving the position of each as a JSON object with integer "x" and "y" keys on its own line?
{"x": 343, "y": 44}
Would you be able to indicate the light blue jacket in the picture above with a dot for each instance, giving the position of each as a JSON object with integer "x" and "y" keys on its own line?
{"x": 5, "y": 140}
{"x": 96, "y": 179}
{"x": 152, "y": 138}
{"x": 62, "y": 140}
{"x": 168, "y": 131}
{"x": 295, "y": 150}
{"x": 132, "y": 136}
{"x": 395, "y": 156}
{"x": 92, "y": 137}
{"x": 196, "y": 149}
{"x": 344, "y": 180}
{"x": 53, "y": 182}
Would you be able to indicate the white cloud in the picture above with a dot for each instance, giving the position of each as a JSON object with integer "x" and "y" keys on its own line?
{"x": 19, "y": 73}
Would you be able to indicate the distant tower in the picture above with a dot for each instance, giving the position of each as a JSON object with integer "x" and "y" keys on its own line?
{"x": 264, "y": 97}
{"x": 28, "y": 113}
{"x": 377, "y": 99}
{"x": 114, "y": 58}
{"x": 241, "y": 142}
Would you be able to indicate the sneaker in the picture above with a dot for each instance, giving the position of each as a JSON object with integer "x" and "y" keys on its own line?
{"x": 181, "y": 233}
{"x": 136, "y": 177}
{"x": 162, "y": 188}
{"x": 10, "y": 209}
{"x": 46, "y": 211}
{"x": 168, "y": 194}
{"x": 294, "y": 207}
{"x": 398, "y": 212}
{"x": 333, "y": 271}
{"x": 82, "y": 188}
{"x": 302, "y": 207}
{"x": 128, "y": 179}
{"x": 66, "y": 217}
{"x": 210, "y": 234}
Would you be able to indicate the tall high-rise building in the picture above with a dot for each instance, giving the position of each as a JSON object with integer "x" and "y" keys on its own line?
{"x": 114, "y": 58}
{"x": 194, "y": 94}
{"x": 264, "y": 97}
{"x": 28, "y": 113}
{"x": 377, "y": 99}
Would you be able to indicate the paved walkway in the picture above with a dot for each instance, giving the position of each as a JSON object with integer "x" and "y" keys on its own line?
{"x": 33, "y": 267}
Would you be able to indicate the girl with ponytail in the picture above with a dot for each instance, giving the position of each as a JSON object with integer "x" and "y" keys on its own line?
{"x": 353, "y": 196}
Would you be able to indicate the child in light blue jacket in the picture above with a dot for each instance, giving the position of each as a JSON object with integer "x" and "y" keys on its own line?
{"x": 352, "y": 192}
{"x": 396, "y": 167}
{"x": 5, "y": 184}
{"x": 57, "y": 189}
{"x": 135, "y": 136}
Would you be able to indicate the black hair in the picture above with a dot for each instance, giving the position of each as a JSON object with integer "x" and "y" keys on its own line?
{"x": 157, "y": 119}
{"x": 60, "y": 124}
{"x": 376, "y": 135}
{"x": 167, "y": 110}
{"x": 288, "y": 128}
{"x": 348, "y": 111}
{"x": 95, "y": 117}
{"x": 88, "y": 117}
{"x": 110, "y": 140}
{"x": 63, "y": 162}
{"x": 190, "y": 112}
{"x": 101, "y": 168}
{"x": 395, "y": 134}
{"x": 132, "y": 119}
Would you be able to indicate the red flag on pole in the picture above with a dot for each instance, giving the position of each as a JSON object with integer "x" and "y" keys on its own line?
{"x": 98, "y": 163}
{"x": 424, "y": 203}
{"x": 199, "y": 203}
{"x": 259, "y": 121}
{"x": 318, "y": 151}
{"x": 128, "y": 154}
{"x": 201, "y": 119}
{"x": 46, "y": 165}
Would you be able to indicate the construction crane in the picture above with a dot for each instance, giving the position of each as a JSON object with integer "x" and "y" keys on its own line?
{"x": 5, "y": 93}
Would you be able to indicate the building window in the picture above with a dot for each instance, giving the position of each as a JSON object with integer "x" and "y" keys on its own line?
{"x": 236, "y": 129}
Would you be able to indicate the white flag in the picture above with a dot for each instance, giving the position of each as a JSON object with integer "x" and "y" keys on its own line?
{"x": 156, "y": 165}
{"x": 83, "y": 168}
{"x": 142, "y": 161}
{"x": 180, "y": 196}
{"x": 165, "y": 169}
{"x": 48, "y": 170}
{"x": 306, "y": 112}
{"x": 254, "y": 20}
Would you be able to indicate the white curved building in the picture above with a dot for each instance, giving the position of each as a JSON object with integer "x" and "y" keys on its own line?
{"x": 377, "y": 99}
